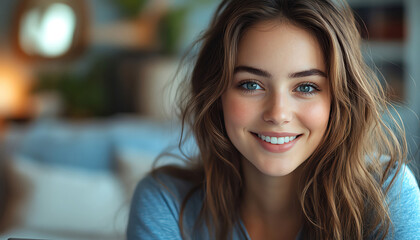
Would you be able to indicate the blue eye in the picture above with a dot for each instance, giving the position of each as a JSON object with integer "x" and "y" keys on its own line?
{"x": 307, "y": 88}
{"x": 250, "y": 86}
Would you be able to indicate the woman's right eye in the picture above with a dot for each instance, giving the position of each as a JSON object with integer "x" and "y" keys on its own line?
{"x": 250, "y": 86}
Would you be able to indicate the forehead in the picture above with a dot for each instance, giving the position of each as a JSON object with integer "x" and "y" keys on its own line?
{"x": 279, "y": 47}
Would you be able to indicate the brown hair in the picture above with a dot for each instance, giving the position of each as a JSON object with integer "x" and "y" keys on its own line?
{"x": 341, "y": 185}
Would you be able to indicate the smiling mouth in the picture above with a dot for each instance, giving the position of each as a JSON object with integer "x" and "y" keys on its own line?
{"x": 277, "y": 140}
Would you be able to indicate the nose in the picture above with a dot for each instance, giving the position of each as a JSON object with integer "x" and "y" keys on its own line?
{"x": 278, "y": 110}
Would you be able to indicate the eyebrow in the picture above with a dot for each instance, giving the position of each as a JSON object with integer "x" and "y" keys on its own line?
{"x": 262, "y": 73}
{"x": 307, "y": 73}
{"x": 252, "y": 70}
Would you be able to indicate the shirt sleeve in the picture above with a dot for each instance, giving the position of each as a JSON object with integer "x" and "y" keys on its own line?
{"x": 404, "y": 206}
{"x": 154, "y": 212}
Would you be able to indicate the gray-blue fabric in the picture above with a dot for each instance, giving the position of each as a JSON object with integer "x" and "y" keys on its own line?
{"x": 156, "y": 204}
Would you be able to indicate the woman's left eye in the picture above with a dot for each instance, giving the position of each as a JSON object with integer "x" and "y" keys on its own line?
{"x": 307, "y": 88}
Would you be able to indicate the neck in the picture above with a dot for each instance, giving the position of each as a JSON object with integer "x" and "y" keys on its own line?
{"x": 270, "y": 208}
{"x": 270, "y": 195}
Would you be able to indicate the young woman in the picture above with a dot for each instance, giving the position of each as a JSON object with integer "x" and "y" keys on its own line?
{"x": 288, "y": 122}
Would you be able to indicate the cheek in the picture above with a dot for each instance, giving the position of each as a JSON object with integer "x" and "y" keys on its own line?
{"x": 315, "y": 116}
{"x": 237, "y": 112}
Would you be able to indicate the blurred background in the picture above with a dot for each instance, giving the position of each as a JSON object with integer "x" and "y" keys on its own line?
{"x": 86, "y": 105}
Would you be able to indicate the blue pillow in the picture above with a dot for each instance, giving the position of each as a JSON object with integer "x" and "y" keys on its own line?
{"x": 148, "y": 136}
{"x": 86, "y": 145}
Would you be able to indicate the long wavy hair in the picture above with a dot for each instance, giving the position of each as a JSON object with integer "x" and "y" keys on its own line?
{"x": 341, "y": 192}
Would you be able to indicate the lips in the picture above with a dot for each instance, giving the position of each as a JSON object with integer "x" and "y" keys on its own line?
{"x": 277, "y": 142}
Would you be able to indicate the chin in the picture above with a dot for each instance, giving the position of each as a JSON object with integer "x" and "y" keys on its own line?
{"x": 276, "y": 171}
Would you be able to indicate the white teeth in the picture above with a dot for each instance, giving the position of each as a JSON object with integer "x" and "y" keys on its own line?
{"x": 281, "y": 140}
{"x": 276, "y": 140}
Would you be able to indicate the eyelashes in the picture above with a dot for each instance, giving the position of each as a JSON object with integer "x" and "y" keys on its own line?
{"x": 305, "y": 88}
{"x": 250, "y": 86}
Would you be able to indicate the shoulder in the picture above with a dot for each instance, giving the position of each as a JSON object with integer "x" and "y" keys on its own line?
{"x": 156, "y": 207}
{"x": 162, "y": 185}
{"x": 404, "y": 186}
{"x": 403, "y": 199}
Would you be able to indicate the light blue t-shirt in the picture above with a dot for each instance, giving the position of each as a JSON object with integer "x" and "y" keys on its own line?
{"x": 155, "y": 209}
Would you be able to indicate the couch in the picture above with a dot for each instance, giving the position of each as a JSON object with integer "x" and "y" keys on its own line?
{"x": 79, "y": 176}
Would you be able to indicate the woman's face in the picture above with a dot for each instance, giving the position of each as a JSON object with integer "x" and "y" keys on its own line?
{"x": 277, "y": 106}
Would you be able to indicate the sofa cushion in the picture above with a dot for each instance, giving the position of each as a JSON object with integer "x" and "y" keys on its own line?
{"x": 72, "y": 201}
{"x": 82, "y": 145}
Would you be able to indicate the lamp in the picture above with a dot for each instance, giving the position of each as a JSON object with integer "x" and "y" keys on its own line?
{"x": 14, "y": 92}
{"x": 50, "y": 29}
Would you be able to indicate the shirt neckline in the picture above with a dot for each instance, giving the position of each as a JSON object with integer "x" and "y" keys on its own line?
{"x": 244, "y": 231}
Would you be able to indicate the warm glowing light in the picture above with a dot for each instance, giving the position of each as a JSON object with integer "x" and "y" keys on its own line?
{"x": 48, "y": 32}
{"x": 13, "y": 91}
{"x": 9, "y": 95}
